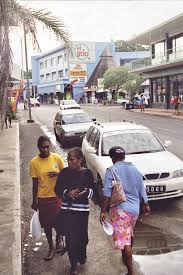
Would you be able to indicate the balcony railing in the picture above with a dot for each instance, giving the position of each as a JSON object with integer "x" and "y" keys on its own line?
{"x": 158, "y": 59}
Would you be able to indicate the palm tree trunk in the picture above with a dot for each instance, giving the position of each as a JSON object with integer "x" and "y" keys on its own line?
{"x": 5, "y": 58}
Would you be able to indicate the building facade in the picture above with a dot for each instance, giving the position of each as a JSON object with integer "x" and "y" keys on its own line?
{"x": 165, "y": 67}
{"x": 60, "y": 73}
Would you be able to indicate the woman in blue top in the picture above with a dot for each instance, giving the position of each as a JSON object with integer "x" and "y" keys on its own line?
{"x": 124, "y": 216}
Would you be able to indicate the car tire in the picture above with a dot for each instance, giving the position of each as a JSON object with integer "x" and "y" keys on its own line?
{"x": 56, "y": 136}
{"x": 62, "y": 141}
{"x": 98, "y": 192}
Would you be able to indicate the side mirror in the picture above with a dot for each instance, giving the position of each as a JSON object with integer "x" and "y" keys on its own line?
{"x": 91, "y": 150}
{"x": 167, "y": 143}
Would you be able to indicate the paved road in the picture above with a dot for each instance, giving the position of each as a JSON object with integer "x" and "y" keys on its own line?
{"x": 166, "y": 215}
{"x": 165, "y": 128}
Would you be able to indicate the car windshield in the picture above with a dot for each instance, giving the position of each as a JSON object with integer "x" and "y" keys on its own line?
{"x": 75, "y": 118}
{"x": 69, "y": 102}
{"x": 134, "y": 142}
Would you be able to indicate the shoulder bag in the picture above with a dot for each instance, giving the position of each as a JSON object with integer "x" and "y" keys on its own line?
{"x": 118, "y": 194}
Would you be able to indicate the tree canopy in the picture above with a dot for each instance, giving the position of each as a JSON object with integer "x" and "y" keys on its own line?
{"x": 115, "y": 77}
{"x": 125, "y": 46}
{"x": 121, "y": 77}
{"x": 13, "y": 13}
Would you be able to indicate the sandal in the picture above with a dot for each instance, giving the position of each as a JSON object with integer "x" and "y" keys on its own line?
{"x": 51, "y": 254}
{"x": 60, "y": 247}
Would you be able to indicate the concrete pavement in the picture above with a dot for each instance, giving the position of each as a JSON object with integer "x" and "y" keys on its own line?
{"x": 101, "y": 258}
{"x": 10, "y": 213}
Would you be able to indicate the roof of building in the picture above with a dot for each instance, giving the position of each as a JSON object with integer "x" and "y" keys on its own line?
{"x": 106, "y": 62}
{"x": 172, "y": 26}
{"x": 131, "y": 55}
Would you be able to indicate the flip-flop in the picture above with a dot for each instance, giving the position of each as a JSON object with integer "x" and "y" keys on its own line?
{"x": 50, "y": 256}
{"x": 60, "y": 247}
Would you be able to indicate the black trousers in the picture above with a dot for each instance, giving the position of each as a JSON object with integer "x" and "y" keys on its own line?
{"x": 77, "y": 236}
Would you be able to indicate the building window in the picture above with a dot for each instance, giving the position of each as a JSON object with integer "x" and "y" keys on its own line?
{"x": 47, "y": 77}
{"x": 60, "y": 74}
{"x": 59, "y": 59}
{"x": 42, "y": 77}
{"x": 65, "y": 57}
{"x": 53, "y": 75}
{"x": 159, "y": 50}
{"x": 41, "y": 65}
{"x": 66, "y": 72}
{"x": 46, "y": 63}
{"x": 53, "y": 61}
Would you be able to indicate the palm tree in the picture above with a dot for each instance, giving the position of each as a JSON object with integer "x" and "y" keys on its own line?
{"x": 12, "y": 13}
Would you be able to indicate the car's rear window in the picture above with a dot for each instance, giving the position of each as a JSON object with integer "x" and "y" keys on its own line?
{"x": 75, "y": 118}
{"x": 133, "y": 141}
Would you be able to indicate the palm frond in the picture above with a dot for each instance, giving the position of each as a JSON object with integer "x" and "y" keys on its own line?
{"x": 29, "y": 17}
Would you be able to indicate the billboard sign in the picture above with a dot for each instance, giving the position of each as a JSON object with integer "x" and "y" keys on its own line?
{"x": 83, "y": 52}
{"x": 78, "y": 73}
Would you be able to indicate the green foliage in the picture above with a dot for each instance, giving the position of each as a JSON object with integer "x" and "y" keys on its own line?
{"x": 115, "y": 77}
{"x": 124, "y": 46}
{"x": 122, "y": 77}
{"x": 133, "y": 83}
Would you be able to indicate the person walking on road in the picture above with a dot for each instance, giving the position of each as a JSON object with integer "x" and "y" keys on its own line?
{"x": 124, "y": 216}
{"x": 44, "y": 170}
{"x": 75, "y": 186}
{"x": 142, "y": 103}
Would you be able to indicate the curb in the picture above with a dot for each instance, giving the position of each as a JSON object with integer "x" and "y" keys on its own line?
{"x": 158, "y": 114}
{"x": 17, "y": 249}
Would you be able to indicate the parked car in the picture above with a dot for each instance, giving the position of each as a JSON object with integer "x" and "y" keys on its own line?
{"x": 123, "y": 101}
{"x": 69, "y": 104}
{"x": 34, "y": 102}
{"x": 162, "y": 171}
{"x": 71, "y": 125}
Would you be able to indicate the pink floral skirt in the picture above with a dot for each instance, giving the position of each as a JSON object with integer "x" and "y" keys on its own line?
{"x": 123, "y": 224}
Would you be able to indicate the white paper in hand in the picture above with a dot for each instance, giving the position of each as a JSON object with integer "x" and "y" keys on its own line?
{"x": 108, "y": 228}
{"x": 35, "y": 227}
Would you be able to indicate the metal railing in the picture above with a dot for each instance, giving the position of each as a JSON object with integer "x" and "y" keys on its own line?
{"x": 171, "y": 55}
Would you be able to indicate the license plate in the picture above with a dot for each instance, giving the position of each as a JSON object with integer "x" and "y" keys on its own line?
{"x": 155, "y": 189}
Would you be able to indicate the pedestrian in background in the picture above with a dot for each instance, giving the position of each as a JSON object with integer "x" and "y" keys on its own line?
{"x": 44, "y": 170}
{"x": 8, "y": 114}
{"x": 75, "y": 186}
{"x": 176, "y": 102}
{"x": 124, "y": 216}
{"x": 142, "y": 103}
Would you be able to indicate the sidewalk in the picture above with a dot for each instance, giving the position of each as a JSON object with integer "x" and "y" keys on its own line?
{"x": 10, "y": 216}
{"x": 102, "y": 259}
{"x": 160, "y": 112}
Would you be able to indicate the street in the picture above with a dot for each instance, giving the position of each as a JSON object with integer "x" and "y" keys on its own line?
{"x": 165, "y": 215}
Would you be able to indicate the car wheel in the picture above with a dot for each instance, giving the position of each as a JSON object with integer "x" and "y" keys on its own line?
{"x": 62, "y": 141}
{"x": 56, "y": 136}
{"x": 98, "y": 192}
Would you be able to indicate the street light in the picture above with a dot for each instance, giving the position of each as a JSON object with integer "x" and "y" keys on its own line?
{"x": 30, "y": 120}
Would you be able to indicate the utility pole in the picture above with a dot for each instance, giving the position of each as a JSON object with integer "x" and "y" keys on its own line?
{"x": 30, "y": 120}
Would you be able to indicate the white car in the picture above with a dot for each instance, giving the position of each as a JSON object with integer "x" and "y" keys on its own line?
{"x": 71, "y": 125}
{"x": 161, "y": 170}
{"x": 69, "y": 104}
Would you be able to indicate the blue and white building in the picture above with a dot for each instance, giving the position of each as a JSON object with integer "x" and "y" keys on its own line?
{"x": 65, "y": 74}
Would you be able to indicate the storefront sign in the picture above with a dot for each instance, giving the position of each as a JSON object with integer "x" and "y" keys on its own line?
{"x": 78, "y": 72}
{"x": 83, "y": 52}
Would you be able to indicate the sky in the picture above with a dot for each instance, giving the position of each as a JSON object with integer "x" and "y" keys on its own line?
{"x": 98, "y": 20}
